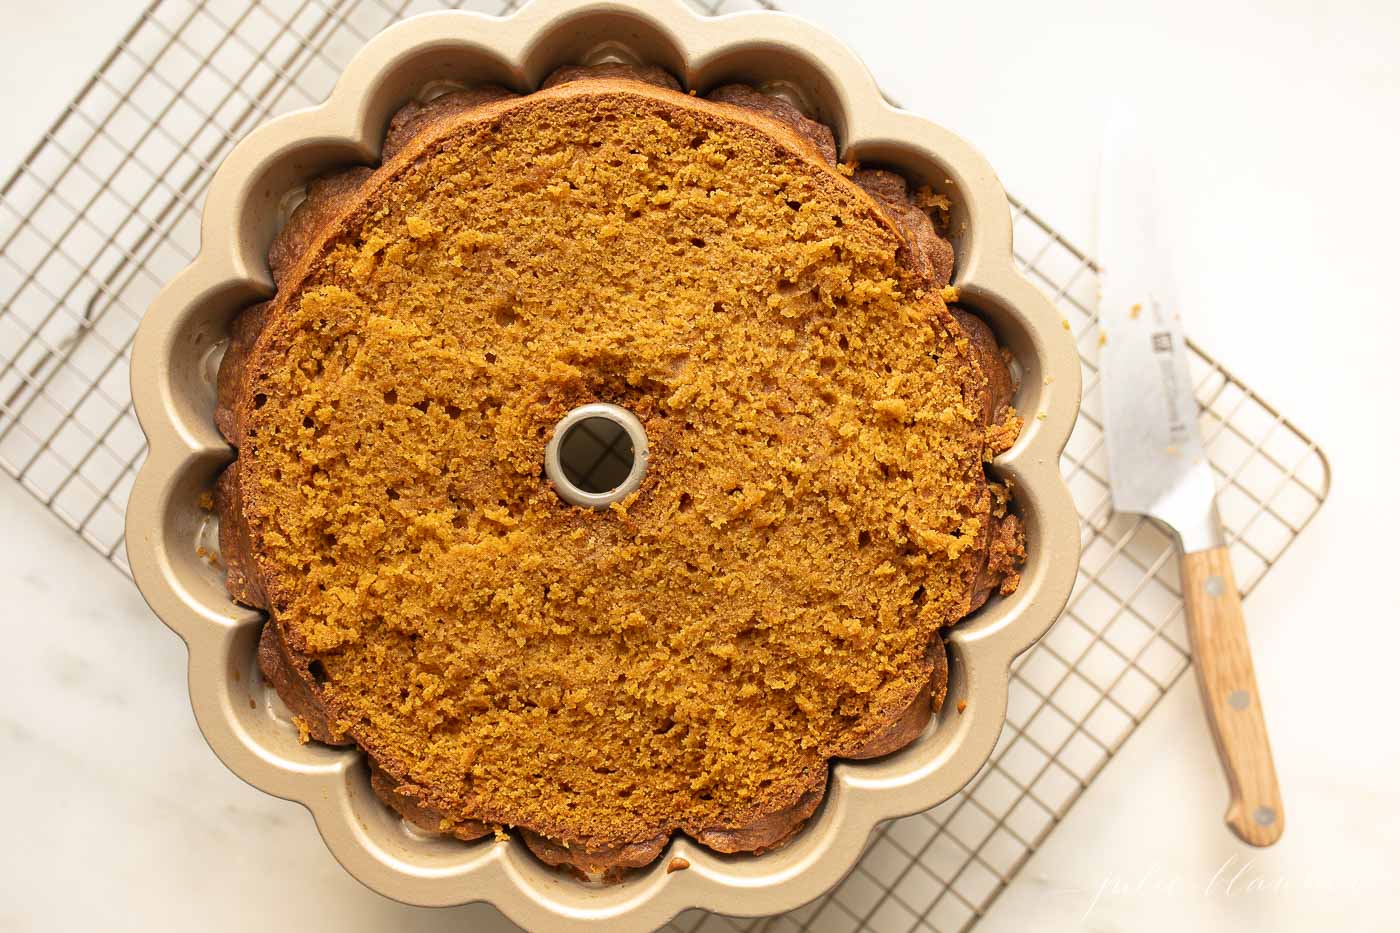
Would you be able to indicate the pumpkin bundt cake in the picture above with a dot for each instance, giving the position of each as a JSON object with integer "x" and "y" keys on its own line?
{"x": 814, "y": 512}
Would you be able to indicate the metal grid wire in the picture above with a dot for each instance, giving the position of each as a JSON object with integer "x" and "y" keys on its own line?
{"x": 106, "y": 208}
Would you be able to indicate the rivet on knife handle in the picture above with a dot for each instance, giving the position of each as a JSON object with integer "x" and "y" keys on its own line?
{"x": 1225, "y": 673}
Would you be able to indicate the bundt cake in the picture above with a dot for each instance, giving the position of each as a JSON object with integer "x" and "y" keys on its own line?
{"x": 815, "y": 510}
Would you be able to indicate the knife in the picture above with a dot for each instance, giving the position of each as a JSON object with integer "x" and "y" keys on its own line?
{"x": 1158, "y": 468}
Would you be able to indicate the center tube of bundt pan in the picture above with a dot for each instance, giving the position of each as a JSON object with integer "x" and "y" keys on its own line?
{"x": 597, "y": 456}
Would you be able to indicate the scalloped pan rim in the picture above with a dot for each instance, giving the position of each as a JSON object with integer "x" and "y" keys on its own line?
{"x": 174, "y": 404}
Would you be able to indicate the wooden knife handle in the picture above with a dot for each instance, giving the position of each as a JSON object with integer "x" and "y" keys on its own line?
{"x": 1225, "y": 673}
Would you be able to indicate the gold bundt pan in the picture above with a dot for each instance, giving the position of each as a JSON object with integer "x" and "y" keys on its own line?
{"x": 187, "y": 325}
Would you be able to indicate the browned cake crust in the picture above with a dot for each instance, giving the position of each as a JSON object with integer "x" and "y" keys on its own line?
{"x": 991, "y": 562}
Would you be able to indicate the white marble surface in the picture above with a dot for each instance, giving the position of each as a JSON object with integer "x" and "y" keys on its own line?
{"x": 1285, "y": 201}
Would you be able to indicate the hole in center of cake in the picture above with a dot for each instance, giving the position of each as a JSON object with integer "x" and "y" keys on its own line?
{"x": 597, "y": 455}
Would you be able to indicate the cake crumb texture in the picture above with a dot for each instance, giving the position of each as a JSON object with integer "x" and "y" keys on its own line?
{"x": 814, "y": 512}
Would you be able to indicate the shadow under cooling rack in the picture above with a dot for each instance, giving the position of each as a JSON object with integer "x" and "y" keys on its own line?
{"x": 105, "y": 208}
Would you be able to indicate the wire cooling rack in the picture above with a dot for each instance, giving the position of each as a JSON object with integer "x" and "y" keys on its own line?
{"x": 105, "y": 208}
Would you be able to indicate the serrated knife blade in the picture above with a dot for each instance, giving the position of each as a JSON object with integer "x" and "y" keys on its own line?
{"x": 1158, "y": 467}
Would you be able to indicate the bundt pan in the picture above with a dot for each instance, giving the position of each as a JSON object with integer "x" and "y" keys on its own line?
{"x": 169, "y": 533}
